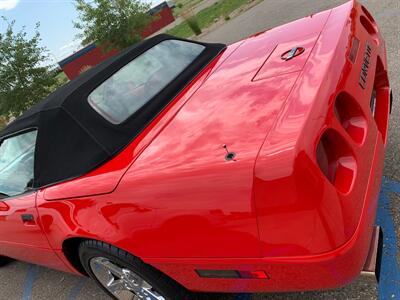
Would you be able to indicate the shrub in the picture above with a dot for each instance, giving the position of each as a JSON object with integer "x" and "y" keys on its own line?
{"x": 3, "y": 122}
{"x": 194, "y": 25}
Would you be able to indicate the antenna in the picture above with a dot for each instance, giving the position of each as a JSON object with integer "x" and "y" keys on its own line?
{"x": 229, "y": 155}
{"x": 226, "y": 148}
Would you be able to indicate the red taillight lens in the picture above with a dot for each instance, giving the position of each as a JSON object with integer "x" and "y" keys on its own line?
{"x": 351, "y": 117}
{"x": 336, "y": 160}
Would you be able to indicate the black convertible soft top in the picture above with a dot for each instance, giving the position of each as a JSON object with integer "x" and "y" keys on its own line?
{"x": 73, "y": 138}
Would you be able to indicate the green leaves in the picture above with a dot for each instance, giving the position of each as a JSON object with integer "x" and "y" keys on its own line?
{"x": 25, "y": 76}
{"x": 112, "y": 24}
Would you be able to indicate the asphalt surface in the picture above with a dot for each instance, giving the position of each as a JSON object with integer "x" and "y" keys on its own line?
{"x": 23, "y": 281}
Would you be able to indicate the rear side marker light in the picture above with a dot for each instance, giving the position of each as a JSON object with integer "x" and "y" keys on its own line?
{"x": 218, "y": 273}
{"x": 253, "y": 274}
{"x": 232, "y": 274}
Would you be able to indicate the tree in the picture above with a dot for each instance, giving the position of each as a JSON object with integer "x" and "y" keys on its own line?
{"x": 112, "y": 23}
{"x": 25, "y": 76}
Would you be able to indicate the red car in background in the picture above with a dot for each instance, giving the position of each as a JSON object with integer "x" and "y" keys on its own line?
{"x": 182, "y": 166}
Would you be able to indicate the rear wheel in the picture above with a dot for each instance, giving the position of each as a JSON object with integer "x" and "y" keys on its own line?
{"x": 124, "y": 276}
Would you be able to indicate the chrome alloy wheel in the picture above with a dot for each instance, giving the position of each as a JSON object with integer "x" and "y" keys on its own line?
{"x": 123, "y": 283}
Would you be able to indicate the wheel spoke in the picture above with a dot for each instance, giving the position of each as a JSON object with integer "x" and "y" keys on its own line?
{"x": 109, "y": 266}
{"x": 140, "y": 287}
{"x": 151, "y": 295}
{"x": 116, "y": 285}
{"x": 121, "y": 282}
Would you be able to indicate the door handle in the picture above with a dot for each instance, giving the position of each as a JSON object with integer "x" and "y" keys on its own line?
{"x": 28, "y": 219}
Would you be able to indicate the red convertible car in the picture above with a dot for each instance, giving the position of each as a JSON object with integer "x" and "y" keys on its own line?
{"x": 180, "y": 166}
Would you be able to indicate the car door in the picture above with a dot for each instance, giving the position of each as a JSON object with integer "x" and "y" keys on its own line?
{"x": 21, "y": 236}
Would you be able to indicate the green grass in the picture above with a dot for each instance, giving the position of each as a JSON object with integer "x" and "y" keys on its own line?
{"x": 61, "y": 80}
{"x": 186, "y": 5}
{"x": 207, "y": 16}
{"x": 3, "y": 122}
{"x": 61, "y": 77}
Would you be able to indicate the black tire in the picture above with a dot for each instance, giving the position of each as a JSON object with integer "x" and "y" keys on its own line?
{"x": 163, "y": 285}
{"x": 4, "y": 261}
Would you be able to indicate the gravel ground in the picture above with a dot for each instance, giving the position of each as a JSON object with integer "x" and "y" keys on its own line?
{"x": 23, "y": 281}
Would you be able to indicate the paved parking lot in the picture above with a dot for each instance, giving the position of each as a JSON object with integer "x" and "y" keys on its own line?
{"x": 23, "y": 281}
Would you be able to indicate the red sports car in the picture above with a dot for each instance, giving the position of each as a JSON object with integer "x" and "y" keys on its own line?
{"x": 182, "y": 166}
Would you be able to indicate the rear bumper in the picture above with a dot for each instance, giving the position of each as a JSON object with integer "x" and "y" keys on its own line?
{"x": 323, "y": 271}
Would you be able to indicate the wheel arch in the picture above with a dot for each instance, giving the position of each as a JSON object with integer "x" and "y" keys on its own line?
{"x": 70, "y": 249}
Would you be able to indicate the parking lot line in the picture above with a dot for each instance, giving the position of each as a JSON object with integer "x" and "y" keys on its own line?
{"x": 389, "y": 285}
{"x": 31, "y": 275}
